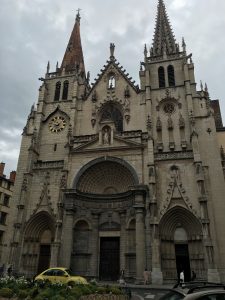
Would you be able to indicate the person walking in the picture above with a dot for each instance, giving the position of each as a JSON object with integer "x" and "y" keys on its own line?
{"x": 182, "y": 276}
{"x": 146, "y": 276}
{"x": 193, "y": 276}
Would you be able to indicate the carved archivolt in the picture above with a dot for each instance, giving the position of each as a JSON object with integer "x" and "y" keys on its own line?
{"x": 123, "y": 104}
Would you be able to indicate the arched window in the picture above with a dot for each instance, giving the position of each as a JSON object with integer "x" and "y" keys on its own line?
{"x": 171, "y": 77}
{"x": 57, "y": 91}
{"x": 111, "y": 113}
{"x": 65, "y": 90}
{"x": 161, "y": 75}
{"x": 112, "y": 82}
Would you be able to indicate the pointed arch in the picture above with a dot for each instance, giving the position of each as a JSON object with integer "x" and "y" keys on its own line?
{"x": 181, "y": 243}
{"x": 171, "y": 75}
{"x": 112, "y": 112}
{"x": 38, "y": 224}
{"x": 57, "y": 91}
{"x": 161, "y": 77}
{"x": 65, "y": 90}
{"x": 57, "y": 110}
{"x": 179, "y": 216}
{"x": 111, "y": 81}
{"x": 38, "y": 235}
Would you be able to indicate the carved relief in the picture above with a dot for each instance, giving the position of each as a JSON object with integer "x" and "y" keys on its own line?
{"x": 175, "y": 190}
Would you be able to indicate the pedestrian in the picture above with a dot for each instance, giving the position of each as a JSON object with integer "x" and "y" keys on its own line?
{"x": 9, "y": 270}
{"x": 193, "y": 276}
{"x": 2, "y": 269}
{"x": 122, "y": 273}
{"x": 146, "y": 276}
{"x": 182, "y": 276}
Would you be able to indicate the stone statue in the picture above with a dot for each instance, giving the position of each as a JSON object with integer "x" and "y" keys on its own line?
{"x": 106, "y": 136}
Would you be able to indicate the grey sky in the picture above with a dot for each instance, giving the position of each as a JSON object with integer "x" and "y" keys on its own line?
{"x": 33, "y": 32}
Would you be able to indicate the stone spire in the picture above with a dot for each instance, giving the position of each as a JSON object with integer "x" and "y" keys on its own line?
{"x": 73, "y": 57}
{"x": 164, "y": 40}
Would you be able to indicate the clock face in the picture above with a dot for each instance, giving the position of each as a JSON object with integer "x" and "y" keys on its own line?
{"x": 57, "y": 124}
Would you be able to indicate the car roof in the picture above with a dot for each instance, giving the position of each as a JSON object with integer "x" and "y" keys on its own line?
{"x": 193, "y": 287}
{"x": 196, "y": 295}
{"x": 56, "y": 268}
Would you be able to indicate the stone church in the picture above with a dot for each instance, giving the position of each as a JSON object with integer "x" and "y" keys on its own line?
{"x": 118, "y": 176}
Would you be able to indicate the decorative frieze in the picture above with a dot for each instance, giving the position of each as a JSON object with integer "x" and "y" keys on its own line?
{"x": 48, "y": 164}
{"x": 174, "y": 155}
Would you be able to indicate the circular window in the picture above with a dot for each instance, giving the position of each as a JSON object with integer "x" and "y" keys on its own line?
{"x": 169, "y": 108}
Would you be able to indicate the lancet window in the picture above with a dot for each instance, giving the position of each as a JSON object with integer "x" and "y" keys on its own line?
{"x": 161, "y": 75}
{"x": 57, "y": 91}
{"x": 111, "y": 113}
{"x": 65, "y": 90}
{"x": 171, "y": 76}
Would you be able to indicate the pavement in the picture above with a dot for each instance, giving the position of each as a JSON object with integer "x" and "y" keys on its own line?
{"x": 144, "y": 292}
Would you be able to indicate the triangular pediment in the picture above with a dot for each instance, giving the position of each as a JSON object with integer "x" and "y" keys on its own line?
{"x": 176, "y": 194}
{"x": 97, "y": 145}
{"x": 114, "y": 65}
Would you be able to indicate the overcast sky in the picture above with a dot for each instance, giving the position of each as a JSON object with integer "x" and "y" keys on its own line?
{"x": 35, "y": 31}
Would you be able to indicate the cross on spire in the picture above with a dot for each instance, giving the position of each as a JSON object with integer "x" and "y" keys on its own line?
{"x": 78, "y": 15}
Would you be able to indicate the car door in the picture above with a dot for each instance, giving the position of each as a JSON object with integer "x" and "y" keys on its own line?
{"x": 60, "y": 276}
{"x": 48, "y": 275}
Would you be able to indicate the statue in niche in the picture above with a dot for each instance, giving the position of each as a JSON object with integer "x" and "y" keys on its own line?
{"x": 106, "y": 136}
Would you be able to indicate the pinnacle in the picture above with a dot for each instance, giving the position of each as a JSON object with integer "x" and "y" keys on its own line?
{"x": 163, "y": 37}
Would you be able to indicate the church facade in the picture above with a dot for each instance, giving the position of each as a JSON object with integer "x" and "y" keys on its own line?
{"x": 114, "y": 176}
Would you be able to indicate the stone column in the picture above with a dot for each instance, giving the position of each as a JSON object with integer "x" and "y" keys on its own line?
{"x": 140, "y": 243}
{"x": 67, "y": 238}
{"x": 157, "y": 277}
{"x": 140, "y": 233}
{"x": 94, "y": 246}
{"x": 122, "y": 240}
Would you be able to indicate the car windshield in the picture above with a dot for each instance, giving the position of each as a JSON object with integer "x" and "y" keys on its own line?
{"x": 172, "y": 295}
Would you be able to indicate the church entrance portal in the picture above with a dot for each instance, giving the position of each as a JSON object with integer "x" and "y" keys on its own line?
{"x": 44, "y": 258}
{"x": 109, "y": 268}
{"x": 182, "y": 261}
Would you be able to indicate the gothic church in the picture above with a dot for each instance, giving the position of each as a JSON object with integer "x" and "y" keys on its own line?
{"x": 116, "y": 175}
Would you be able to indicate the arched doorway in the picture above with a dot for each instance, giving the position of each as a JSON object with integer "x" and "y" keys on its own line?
{"x": 104, "y": 187}
{"x": 181, "y": 244}
{"x": 38, "y": 236}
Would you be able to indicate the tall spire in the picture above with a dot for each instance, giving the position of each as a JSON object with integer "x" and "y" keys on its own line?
{"x": 73, "y": 57}
{"x": 164, "y": 40}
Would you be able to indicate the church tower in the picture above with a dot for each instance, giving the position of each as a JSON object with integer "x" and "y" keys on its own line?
{"x": 115, "y": 176}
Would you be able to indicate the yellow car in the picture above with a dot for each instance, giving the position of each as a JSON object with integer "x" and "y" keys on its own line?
{"x": 60, "y": 275}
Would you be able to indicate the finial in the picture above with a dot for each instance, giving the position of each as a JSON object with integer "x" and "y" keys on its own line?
{"x": 48, "y": 67}
{"x": 57, "y": 66}
{"x": 112, "y": 49}
{"x": 183, "y": 44}
{"x": 201, "y": 85}
{"x": 145, "y": 51}
{"x": 141, "y": 69}
{"x": 32, "y": 108}
{"x": 78, "y": 15}
{"x": 88, "y": 77}
{"x": 206, "y": 88}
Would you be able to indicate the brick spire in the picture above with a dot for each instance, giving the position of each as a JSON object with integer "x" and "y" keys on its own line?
{"x": 73, "y": 57}
{"x": 164, "y": 40}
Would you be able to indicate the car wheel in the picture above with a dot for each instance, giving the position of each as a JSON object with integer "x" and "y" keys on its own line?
{"x": 71, "y": 283}
{"x": 40, "y": 282}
